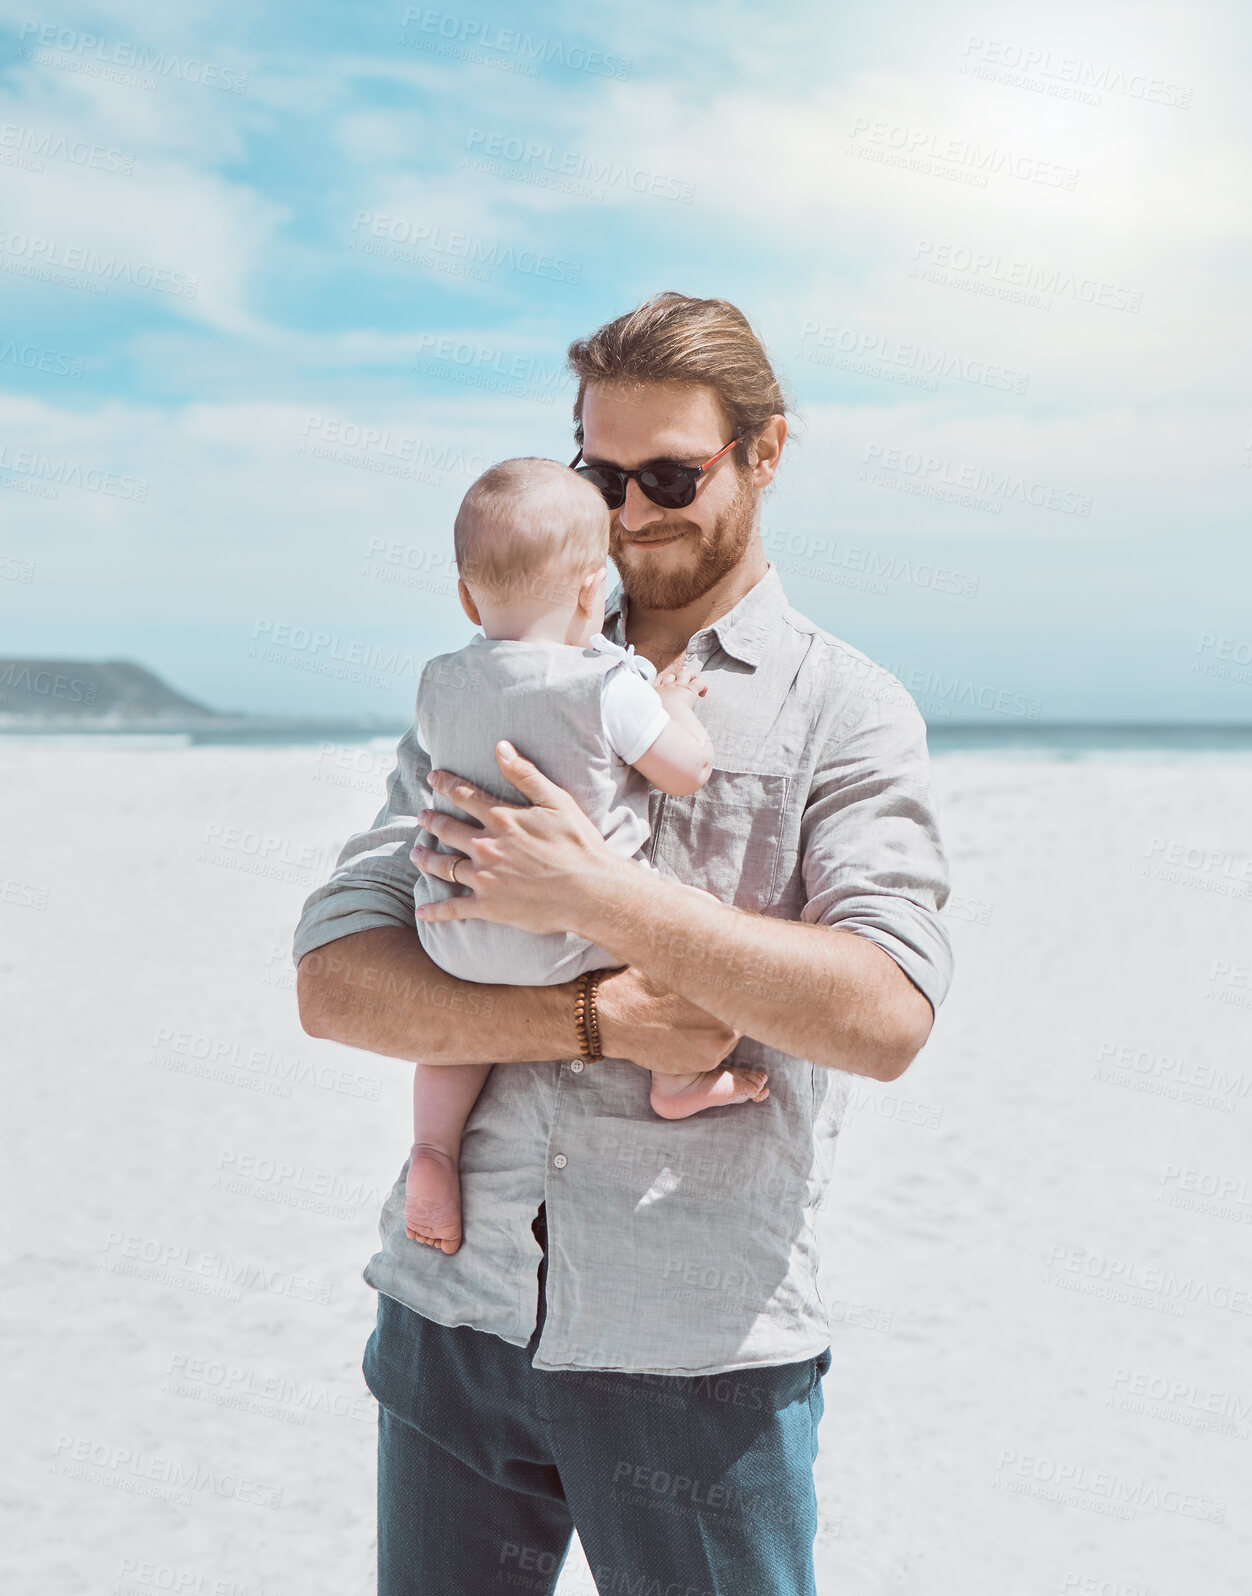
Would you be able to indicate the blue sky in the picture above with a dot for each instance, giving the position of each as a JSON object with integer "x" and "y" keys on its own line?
{"x": 278, "y": 281}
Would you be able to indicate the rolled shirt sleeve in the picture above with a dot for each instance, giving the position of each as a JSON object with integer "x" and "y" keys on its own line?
{"x": 373, "y": 879}
{"x": 873, "y": 862}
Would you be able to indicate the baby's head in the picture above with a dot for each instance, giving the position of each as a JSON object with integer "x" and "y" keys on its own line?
{"x": 528, "y": 534}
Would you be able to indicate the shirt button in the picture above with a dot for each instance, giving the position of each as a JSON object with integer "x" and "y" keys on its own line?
{"x": 576, "y": 1064}
{"x": 560, "y": 1161}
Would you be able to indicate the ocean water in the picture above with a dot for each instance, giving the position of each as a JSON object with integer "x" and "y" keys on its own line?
{"x": 1158, "y": 743}
{"x": 1068, "y": 742}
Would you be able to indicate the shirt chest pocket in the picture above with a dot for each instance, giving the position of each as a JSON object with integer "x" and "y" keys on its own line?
{"x": 724, "y": 838}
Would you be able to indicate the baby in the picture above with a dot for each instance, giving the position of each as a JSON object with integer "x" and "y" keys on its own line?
{"x": 531, "y": 547}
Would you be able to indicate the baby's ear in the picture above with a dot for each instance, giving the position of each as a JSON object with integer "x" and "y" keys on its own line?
{"x": 467, "y": 602}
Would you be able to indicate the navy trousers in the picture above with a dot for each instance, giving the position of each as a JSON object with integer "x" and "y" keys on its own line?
{"x": 678, "y": 1485}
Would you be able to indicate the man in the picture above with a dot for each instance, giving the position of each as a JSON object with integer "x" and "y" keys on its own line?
{"x": 630, "y": 1341}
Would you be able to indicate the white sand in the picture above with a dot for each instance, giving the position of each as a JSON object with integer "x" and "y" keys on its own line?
{"x": 998, "y": 1152}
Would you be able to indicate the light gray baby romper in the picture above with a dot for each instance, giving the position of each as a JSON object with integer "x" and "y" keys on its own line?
{"x": 545, "y": 699}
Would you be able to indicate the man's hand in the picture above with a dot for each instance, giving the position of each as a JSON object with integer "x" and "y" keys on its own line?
{"x": 529, "y": 867}
{"x": 642, "y": 1020}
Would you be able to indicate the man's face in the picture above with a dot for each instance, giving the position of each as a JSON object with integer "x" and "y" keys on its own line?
{"x": 668, "y": 559}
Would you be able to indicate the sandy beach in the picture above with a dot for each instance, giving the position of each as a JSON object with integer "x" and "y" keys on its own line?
{"x": 1037, "y": 1247}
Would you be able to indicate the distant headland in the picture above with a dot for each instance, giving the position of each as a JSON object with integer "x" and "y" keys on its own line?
{"x": 64, "y": 690}
{"x": 117, "y": 695}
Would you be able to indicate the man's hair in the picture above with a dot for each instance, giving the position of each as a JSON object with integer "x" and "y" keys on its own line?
{"x": 673, "y": 338}
{"x": 529, "y": 528}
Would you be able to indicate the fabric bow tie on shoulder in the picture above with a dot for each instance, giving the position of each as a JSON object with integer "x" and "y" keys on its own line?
{"x": 603, "y": 645}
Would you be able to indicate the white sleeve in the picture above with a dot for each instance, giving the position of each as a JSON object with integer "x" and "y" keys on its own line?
{"x": 632, "y": 713}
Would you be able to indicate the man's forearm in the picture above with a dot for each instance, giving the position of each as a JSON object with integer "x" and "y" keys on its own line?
{"x": 380, "y": 991}
{"x": 812, "y": 991}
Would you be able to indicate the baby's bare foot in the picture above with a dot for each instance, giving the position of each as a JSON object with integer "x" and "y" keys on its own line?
{"x": 432, "y": 1198}
{"x": 678, "y": 1097}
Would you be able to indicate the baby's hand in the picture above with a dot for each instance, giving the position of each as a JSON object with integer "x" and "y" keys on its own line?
{"x": 681, "y": 679}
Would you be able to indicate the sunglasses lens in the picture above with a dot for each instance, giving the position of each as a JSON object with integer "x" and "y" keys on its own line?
{"x": 610, "y": 483}
{"x": 673, "y": 487}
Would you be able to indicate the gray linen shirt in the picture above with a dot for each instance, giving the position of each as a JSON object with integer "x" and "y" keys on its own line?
{"x": 688, "y": 1246}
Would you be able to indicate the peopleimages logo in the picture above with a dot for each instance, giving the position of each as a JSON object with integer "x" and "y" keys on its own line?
{"x": 392, "y": 454}
{"x": 32, "y": 357}
{"x": 87, "y": 53}
{"x": 327, "y": 654}
{"x": 1183, "y": 1402}
{"x": 1001, "y": 487}
{"x": 953, "y": 158}
{"x": 1067, "y": 77}
{"x": 30, "y": 148}
{"x": 142, "y": 1576}
{"x": 487, "y": 366}
{"x": 145, "y": 1473}
{"x": 852, "y": 350}
{"x": 225, "y": 1058}
{"x": 274, "y": 1395}
{"x": 1170, "y": 1074}
{"x": 827, "y": 559}
{"x": 430, "y": 243}
{"x": 535, "y": 158}
{"x": 21, "y": 678}
{"x": 1231, "y": 657}
{"x": 935, "y": 695}
{"x": 1215, "y": 870}
{"x": 14, "y": 570}
{"x": 985, "y": 271}
{"x": 212, "y": 1274}
{"x": 28, "y": 255}
{"x": 446, "y": 32}
{"x": 1123, "y": 1279}
{"x": 51, "y": 474}
{"x": 1098, "y": 1490}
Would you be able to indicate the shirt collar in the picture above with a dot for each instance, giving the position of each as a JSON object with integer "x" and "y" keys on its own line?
{"x": 743, "y": 632}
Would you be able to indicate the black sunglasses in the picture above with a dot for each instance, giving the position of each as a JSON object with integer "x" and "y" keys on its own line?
{"x": 665, "y": 482}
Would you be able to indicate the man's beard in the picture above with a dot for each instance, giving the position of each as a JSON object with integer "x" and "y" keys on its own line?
{"x": 716, "y": 551}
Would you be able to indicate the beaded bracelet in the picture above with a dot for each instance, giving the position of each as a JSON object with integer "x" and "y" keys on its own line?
{"x": 580, "y": 1009}
{"x": 593, "y": 1014}
{"x": 586, "y": 1019}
